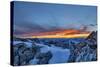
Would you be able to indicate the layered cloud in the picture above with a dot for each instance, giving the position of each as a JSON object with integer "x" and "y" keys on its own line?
{"x": 32, "y": 18}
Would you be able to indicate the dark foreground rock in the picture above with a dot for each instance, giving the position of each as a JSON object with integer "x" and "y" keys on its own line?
{"x": 44, "y": 57}
{"x": 23, "y": 54}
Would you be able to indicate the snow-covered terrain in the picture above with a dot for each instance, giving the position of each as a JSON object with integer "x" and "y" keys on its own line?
{"x": 51, "y": 51}
{"x": 59, "y": 55}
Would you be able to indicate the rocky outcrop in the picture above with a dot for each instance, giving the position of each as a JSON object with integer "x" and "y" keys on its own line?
{"x": 44, "y": 57}
{"x": 23, "y": 54}
{"x": 88, "y": 49}
{"x": 92, "y": 40}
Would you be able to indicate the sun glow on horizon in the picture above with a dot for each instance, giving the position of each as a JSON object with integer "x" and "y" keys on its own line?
{"x": 70, "y": 33}
{"x": 63, "y": 36}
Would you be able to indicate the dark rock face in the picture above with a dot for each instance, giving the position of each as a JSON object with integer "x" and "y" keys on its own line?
{"x": 92, "y": 36}
{"x": 23, "y": 54}
{"x": 92, "y": 40}
{"x": 44, "y": 57}
{"x": 88, "y": 49}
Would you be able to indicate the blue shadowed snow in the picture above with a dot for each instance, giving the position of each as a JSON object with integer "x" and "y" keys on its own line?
{"x": 60, "y": 55}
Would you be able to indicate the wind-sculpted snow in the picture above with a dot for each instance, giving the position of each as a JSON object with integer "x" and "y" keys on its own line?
{"x": 54, "y": 50}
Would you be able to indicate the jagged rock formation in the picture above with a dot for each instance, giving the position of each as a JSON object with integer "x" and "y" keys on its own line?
{"x": 44, "y": 57}
{"x": 92, "y": 40}
{"x": 23, "y": 54}
{"x": 87, "y": 50}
